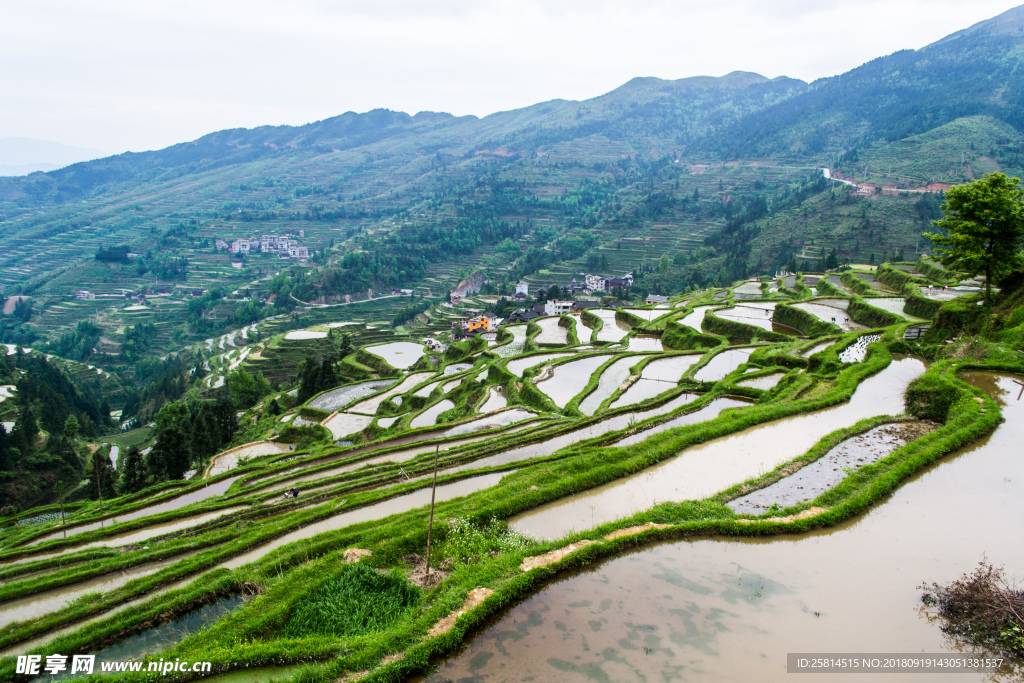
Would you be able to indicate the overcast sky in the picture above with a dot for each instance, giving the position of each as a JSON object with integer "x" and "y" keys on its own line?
{"x": 134, "y": 75}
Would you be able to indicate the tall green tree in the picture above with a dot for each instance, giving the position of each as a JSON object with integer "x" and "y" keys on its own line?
{"x": 133, "y": 471}
{"x": 984, "y": 226}
{"x": 172, "y": 452}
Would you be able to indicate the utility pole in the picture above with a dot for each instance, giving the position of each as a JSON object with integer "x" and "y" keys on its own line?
{"x": 59, "y": 487}
{"x": 430, "y": 525}
{"x": 96, "y": 470}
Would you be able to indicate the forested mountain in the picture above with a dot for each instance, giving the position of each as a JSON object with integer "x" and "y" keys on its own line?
{"x": 973, "y": 72}
{"x": 719, "y": 178}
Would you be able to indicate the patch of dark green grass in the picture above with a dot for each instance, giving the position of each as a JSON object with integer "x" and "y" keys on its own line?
{"x": 356, "y": 600}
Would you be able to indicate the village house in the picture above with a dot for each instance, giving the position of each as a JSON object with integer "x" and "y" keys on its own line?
{"x": 480, "y": 323}
{"x": 595, "y": 283}
{"x": 656, "y": 299}
{"x": 433, "y": 344}
{"x": 557, "y": 307}
{"x": 84, "y": 294}
{"x": 578, "y": 306}
{"x": 523, "y": 288}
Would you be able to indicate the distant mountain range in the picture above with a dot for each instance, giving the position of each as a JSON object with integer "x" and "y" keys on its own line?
{"x": 21, "y": 156}
{"x": 641, "y": 163}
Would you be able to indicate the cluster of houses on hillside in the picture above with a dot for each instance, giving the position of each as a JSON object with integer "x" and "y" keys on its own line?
{"x": 286, "y": 246}
{"x": 590, "y": 284}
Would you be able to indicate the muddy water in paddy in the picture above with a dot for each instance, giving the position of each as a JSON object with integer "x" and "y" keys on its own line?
{"x": 399, "y": 355}
{"x": 550, "y": 332}
{"x": 644, "y": 342}
{"x": 657, "y": 377}
{"x": 695, "y": 317}
{"x": 613, "y": 330}
{"x": 817, "y": 348}
{"x": 516, "y": 367}
{"x": 429, "y": 416}
{"x": 708, "y": 412}
{"x": 344, "y": 424}
{"x": 730, "y": 609}
{"x": 392, "y": 506}
{"x": 370, "y": 405}
{"x": 495, "y": 401}
{"x": 648, "y": 315}
{"x": 56, "y": 599}
{"x": 568, "y": 379}
{"x": 830, "y": 314}
{"x": 340, "y": 397}
{"x": 158, "y": 638}
{"x": 545, "y": 448}
{"x": 765, "y": 382}
{"x": 722, "y": 364}
{"x": 487, "y": 422}
{"x": 715, "y": 465}
{"x": 893, "y": 305}
{"x": 203, "y": 493}
{"x": 613, "y": 377}
{"x": 756, "y": 314}
{"x": 813, "y": 479}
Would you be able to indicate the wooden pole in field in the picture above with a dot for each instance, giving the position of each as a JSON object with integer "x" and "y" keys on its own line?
{"x": 430, "y": 526}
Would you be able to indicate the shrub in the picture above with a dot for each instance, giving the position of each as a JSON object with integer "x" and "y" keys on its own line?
{"x": 465, "y": 542}
{"x": 981, "y": 608}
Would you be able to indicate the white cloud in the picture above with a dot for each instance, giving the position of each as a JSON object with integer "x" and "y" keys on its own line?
{"x": 123, "y": 75}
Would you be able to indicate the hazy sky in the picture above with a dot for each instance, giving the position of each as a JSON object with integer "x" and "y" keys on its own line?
{"x": 133, "y": 75}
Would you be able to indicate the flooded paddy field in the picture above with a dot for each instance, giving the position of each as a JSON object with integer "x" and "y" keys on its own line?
{"x": 429, "y": 416}
{"x": 648, "y": 315}
{"x": 644, "y": 342}
{"x": 613, "y": 330}
{"x": 722, "y": 364}
{"x": 695, "y": 317}
{"x": 657, "y": 377}
{"x": 495, "y": 401}
{"x": 399, "y": 355}
{"x": 370, "y": 405}
{"x": 514, "y": 347}
{"x": 858, "y": 350}
{"x": 830, "y": 314}
{"x": 550, "y": 446}
{"x": 763, "y": 382}
{"x": 612, "y": 377}
{"x": 568, "y": 379}
{"x": 551, "y": 332}
{"x": 385, "y": 508}
{"x": 813, "y": 479}
{"x": 715, "y": 465}
{"x": 894, "y": 305}
{"x": 729, "y": 609}
{"x": 516, "y": 367}
{"x": 40, "y": 604}
{"x": 344, "y": 424}
{"x": 200, "y": 494}
{"x": 337, "y": 399}
{"x": 757, "y": 314}
{"x": 557, "y": 456}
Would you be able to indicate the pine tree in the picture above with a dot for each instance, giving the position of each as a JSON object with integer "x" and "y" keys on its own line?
{"x": 133, "y": 471}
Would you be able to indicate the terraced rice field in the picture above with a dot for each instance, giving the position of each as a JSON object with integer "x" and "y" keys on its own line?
{"x": 540, "y": 466}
